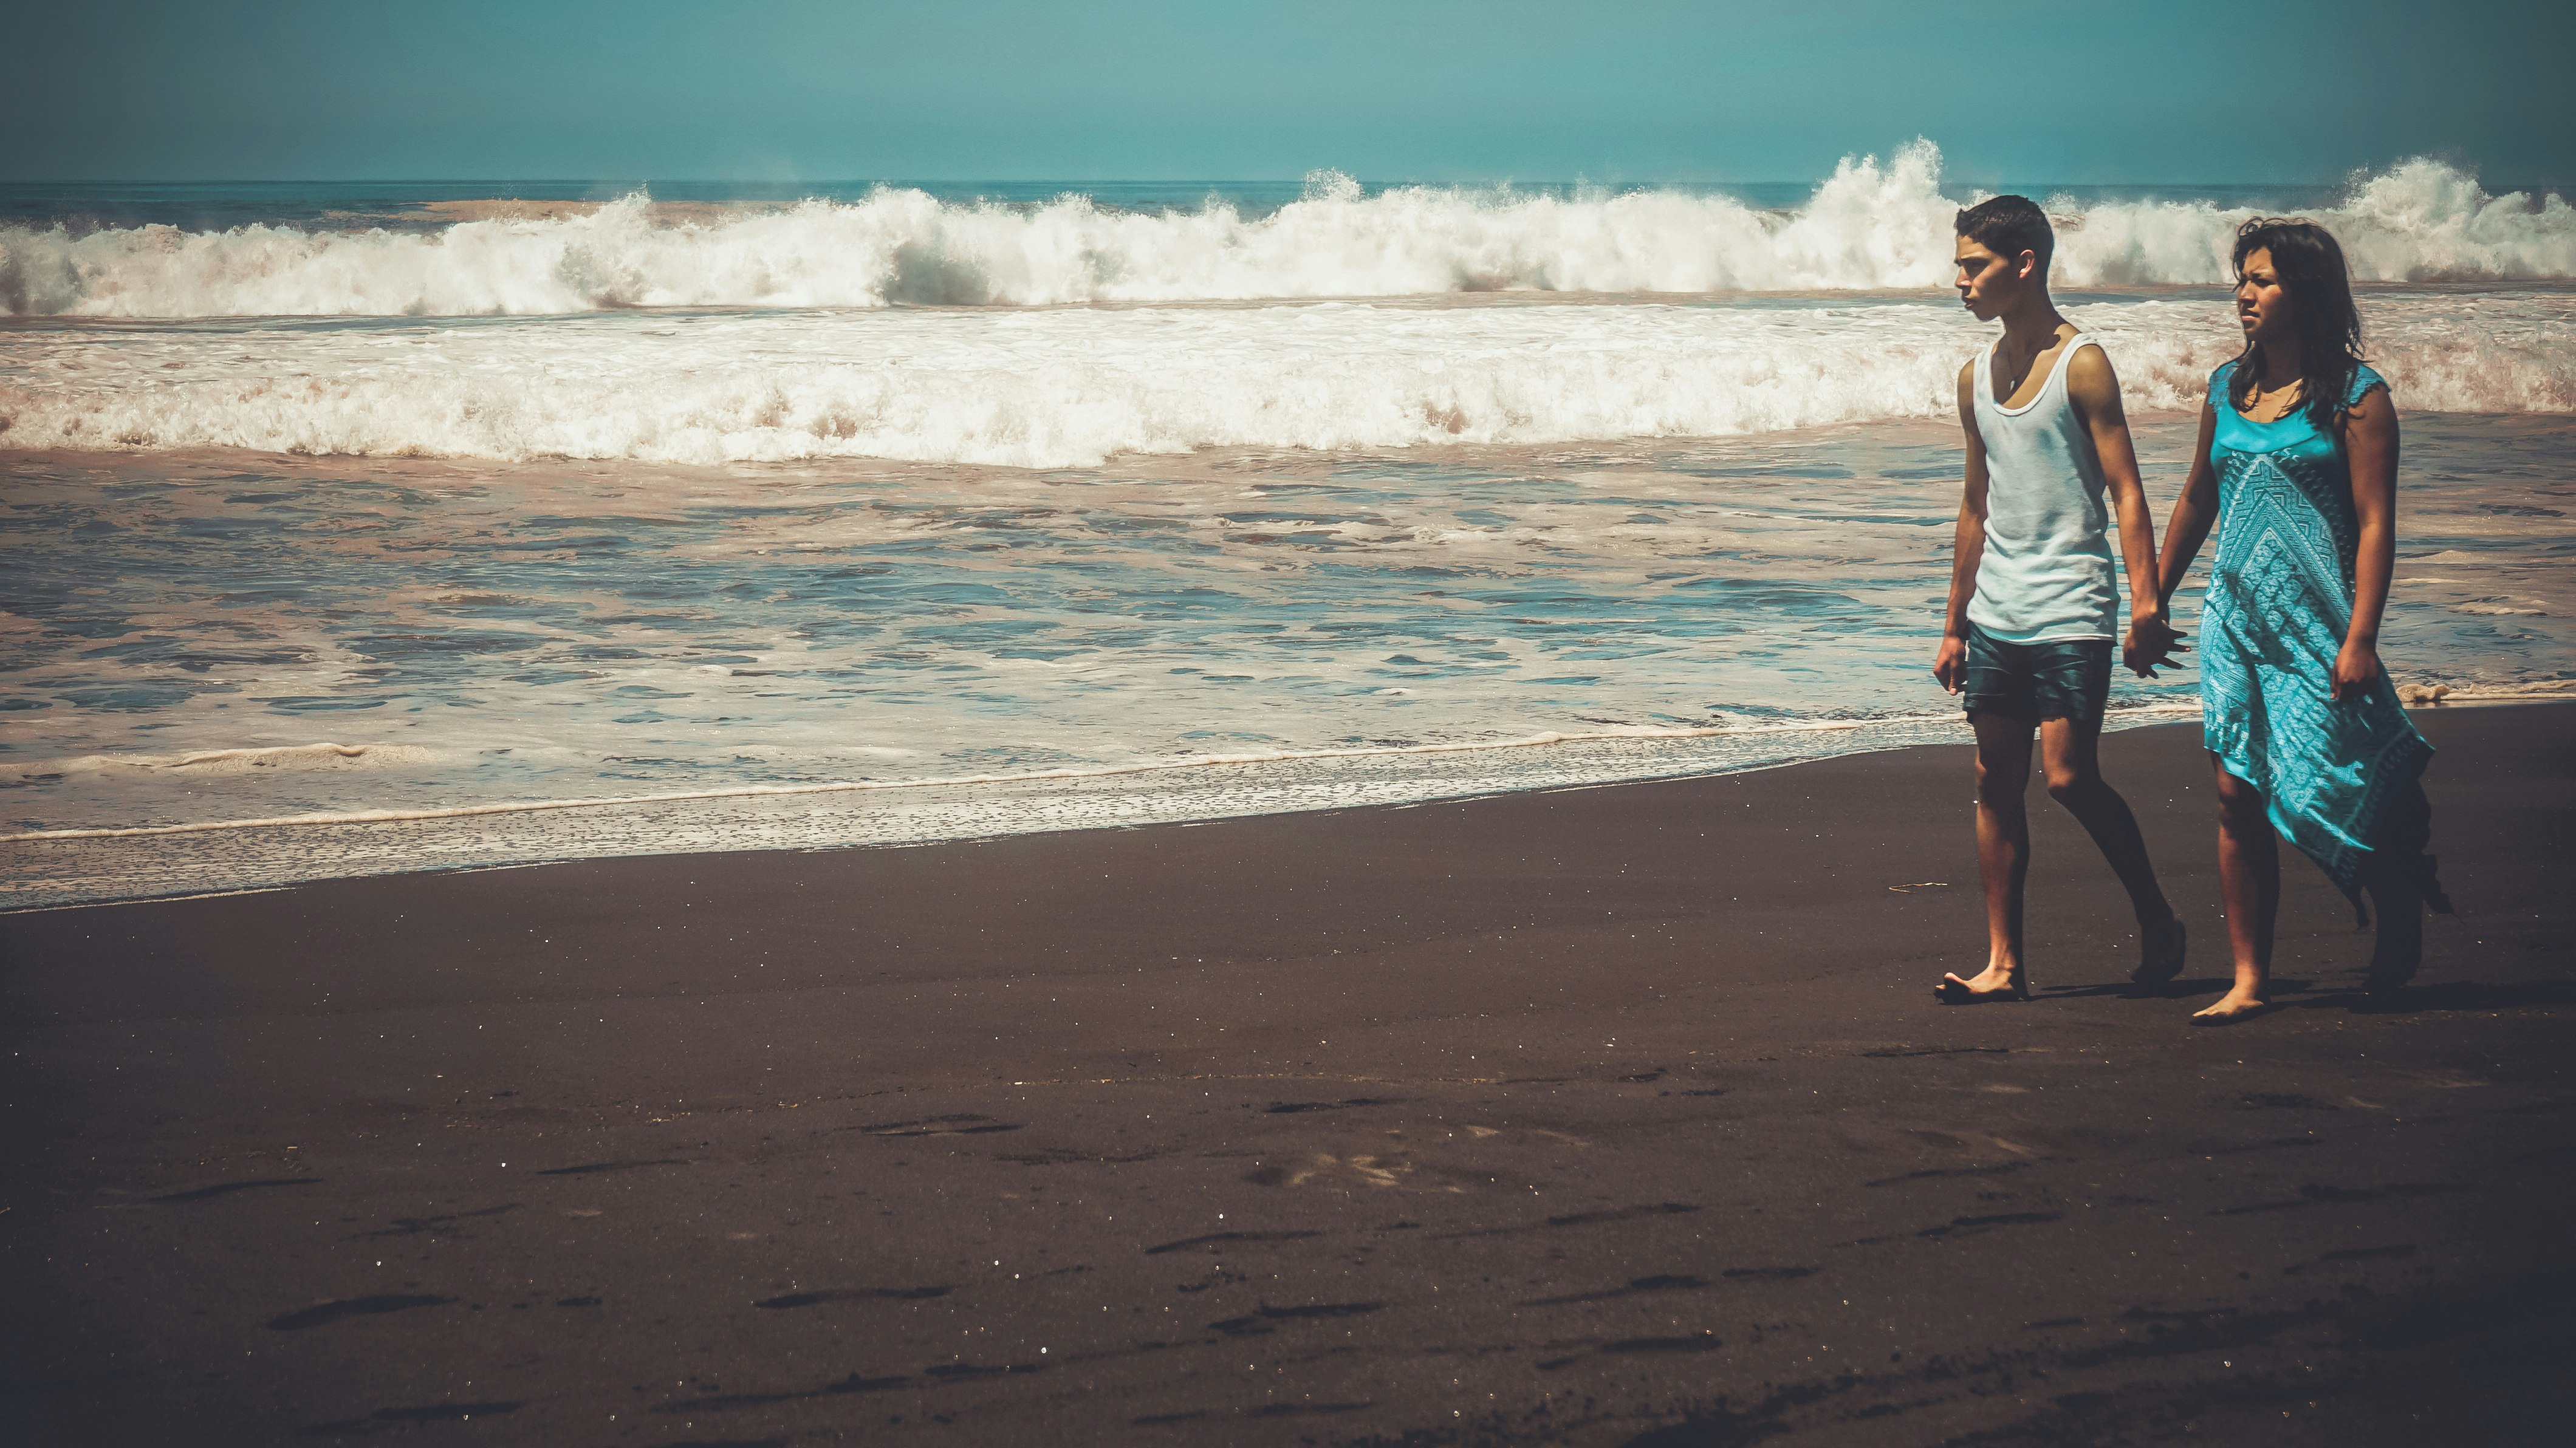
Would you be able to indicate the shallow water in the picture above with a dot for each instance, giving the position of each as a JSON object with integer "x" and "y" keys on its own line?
{"x": 435, "y": 513}
{"x": 209, "y": 637}
{"x": 498, "y": 632}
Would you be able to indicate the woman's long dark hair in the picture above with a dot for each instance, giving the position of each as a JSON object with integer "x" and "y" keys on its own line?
{"x": 2312, "y": 271}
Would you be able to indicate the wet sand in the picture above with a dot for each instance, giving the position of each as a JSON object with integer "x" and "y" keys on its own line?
{"x": 1618, "y": 1115}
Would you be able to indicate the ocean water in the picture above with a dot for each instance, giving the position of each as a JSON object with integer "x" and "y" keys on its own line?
{"x": 357, "y": 528}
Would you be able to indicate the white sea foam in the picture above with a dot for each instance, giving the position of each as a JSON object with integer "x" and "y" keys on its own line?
{"x": 1872, "y": 225}
{"x": 70, "y": 866}
{"x": 1062, "y": 387}
{"x": 765, "y": 791}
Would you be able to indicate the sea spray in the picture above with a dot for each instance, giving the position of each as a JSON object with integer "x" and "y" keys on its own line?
{"x": 1872, "y": 225}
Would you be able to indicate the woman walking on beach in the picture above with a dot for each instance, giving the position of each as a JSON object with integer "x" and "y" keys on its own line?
{"x": 2297, "y": 467}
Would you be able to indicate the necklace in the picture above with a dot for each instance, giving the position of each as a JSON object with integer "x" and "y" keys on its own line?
{"x": 2021, "y": 369}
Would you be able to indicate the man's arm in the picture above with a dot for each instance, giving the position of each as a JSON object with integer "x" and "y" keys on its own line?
{"x": 1967, "y": 548}
{"x": 2370, "y": 444}
{"x": 2094, "y": 388}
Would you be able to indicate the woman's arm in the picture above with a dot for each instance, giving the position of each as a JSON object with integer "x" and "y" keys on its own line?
{"x": 1967, "y": 547}
{"x": 2370, "y": 445}
{"x": 2194, "y": 514}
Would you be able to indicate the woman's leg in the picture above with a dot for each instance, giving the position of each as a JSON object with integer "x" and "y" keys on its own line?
{"x": 2249, "y": 881}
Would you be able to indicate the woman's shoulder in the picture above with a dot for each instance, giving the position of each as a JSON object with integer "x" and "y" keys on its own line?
{"x": 2363, "y": 379}
{"x": 2218, "y": 380}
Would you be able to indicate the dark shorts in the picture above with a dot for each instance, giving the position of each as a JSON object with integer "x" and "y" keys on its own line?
{"x": 2057, "y": 679}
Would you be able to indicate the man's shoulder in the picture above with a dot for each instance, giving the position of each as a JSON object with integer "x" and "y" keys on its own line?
{"x": 2089, "y": 374}
{"x": 2088, "y": 358}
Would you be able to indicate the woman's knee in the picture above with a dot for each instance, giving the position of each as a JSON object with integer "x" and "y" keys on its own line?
{"x": 2240, "y": 805}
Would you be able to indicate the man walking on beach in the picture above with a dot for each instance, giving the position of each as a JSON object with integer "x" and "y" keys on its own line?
{"x": 2033, "y": 602}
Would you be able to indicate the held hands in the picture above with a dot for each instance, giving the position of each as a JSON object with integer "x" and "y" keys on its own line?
{"x": 2151, "y": 645}
{"x": 1950, "y": 662}
{"x": 2356, "y": 668}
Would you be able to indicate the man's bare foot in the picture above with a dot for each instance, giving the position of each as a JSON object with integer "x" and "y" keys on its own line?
{"x": 2236, "y": 1005}
{"x": 1994, "y": 983}
{"x": 2162, "y": 954}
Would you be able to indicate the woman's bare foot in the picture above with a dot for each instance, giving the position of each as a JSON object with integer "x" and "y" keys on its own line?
{"x": 2238, "y": 1003}
{"x": 1994, "y": 983}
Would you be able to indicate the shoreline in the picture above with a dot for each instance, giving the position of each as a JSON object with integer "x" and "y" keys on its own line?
{"x": 1235, "y": 787}
{"x": 291, "y": 867}
{"x": 1607, "y": 1115}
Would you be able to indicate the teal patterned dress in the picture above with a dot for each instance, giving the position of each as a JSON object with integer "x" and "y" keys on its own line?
{"x": 2272, "y": 622}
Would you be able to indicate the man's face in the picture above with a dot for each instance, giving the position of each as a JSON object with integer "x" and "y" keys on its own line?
{"x": 1988, "y": 282}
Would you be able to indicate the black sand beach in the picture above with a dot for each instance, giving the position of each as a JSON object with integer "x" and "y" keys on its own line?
{"x": 1609, "y": 1116}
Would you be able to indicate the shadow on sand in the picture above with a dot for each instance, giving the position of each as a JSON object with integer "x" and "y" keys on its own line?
{"x": 2461, "y": 995}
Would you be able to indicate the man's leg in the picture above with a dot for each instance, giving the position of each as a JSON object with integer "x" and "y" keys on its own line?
{"x": 2398, "y": 877}
{"x": 2071, "y": 758}
{"x": 2249, "y": 881}
{"x": 2003, "y": 847}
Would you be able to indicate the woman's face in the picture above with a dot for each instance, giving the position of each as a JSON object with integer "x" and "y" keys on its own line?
{"x": 2262, "y": 306}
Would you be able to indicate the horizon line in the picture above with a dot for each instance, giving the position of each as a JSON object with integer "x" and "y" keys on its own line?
{"x": 889, "y": 180}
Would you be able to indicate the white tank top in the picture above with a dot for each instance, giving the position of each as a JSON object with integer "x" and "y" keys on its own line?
{"x": 2046, "y": 573}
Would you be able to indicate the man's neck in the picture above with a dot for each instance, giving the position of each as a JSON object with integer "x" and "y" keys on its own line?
{"x": 2032, "y": 327}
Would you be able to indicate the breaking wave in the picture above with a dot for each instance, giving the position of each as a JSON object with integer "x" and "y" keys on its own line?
{"x": 1872, "y": 225}
{"x": 1061, "y": 388}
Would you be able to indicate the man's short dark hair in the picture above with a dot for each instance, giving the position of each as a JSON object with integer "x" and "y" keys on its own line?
{"x": 2009, "y": 226}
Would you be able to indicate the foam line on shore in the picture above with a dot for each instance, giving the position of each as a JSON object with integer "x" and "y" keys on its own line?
{"x": 49, "y": 872}
{"x": 751, "y": 791}
{"x": 754, "y": 791}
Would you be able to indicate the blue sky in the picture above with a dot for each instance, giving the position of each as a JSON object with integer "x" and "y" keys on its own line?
{"x": 1390, "y": 90}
